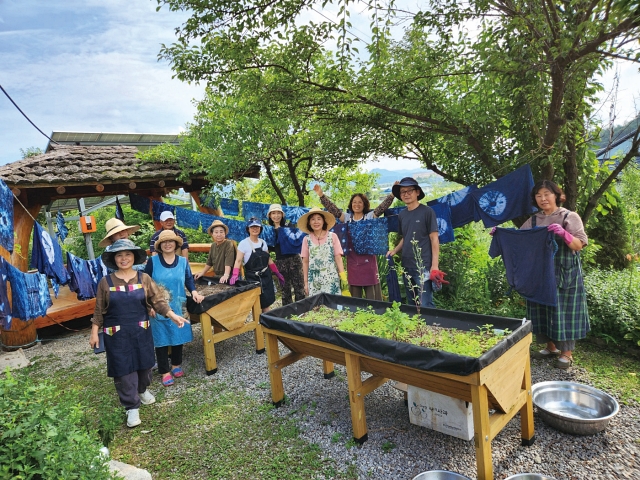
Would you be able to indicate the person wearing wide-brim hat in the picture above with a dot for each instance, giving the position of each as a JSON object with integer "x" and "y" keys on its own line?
{"x": 123, "y": 300}
{"x": 322, "y": 255}
{"x": 168, "y": 222}
{"x": 418, "y": 226}
{"x": 254, "y": 253}
{"x": 288, "y": 263}
{"x": 222, "y": 254}
{"x": 173, "y": 273}
{"x": 116, "y": 230}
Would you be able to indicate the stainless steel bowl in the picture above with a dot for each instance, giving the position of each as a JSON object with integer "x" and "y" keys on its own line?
{"x": 440, "y": 475}
{"x": 529, "y": 476}
{"x": 573, "y": 407}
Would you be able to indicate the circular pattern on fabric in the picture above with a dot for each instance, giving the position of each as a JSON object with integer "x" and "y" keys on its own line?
{"x": 47, "y": 245}
{"x": 456, "y": 197}
{"x": 443, "y": 226}
{"x": 493, "y": 203}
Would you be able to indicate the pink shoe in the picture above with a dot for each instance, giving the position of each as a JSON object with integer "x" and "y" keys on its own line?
{"x": 177, "y": 372}
{"x": 167, "y": 380}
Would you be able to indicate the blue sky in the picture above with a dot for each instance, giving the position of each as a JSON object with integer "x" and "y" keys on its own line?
{"x": 89, "y": 65}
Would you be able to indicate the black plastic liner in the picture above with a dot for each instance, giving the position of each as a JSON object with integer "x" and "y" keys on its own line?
{"x": 283, "y": 319}
{"x": 219, "y": 297}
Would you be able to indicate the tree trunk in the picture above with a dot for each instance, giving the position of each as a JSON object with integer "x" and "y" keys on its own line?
{"x": 571, "y": 175}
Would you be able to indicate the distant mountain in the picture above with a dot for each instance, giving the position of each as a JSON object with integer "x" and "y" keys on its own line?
{"x": 390, "y": 176}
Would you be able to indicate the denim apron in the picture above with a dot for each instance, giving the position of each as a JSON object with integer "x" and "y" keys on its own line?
{"x": 127, "y": 334}
{"x": 257, "y": 270}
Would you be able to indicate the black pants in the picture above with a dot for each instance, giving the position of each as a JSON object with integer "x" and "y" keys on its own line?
{"x": 131, "y": 386}
{"x": 162, "y": 355}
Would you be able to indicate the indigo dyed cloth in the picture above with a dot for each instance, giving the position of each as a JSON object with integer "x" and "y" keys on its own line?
{"x": 443, "y": 217}
{"x": 528, "y": 259}
{"x": 369, "y": 237}
{"x": 207, "y": 201}
{"x": 268, "y": 234}
{"x": 505, "y": 199}
{"x": 293, "y": 213}
{"x": 5, "y": 306}
{"x": 392, "y": 223}
{"x": 237, "y": 229}
{"x": 230, "y": 207}
{"x": 206, "y": 220}
{"x": 139, "y": 203}
{"x": 159, "y": 207}
{"x": 63, "y": 231}
{"x": 392, "y": 282}
{"x": 80, "y": 278}
{"x": 253, "y": 209}
{"x": 119, "y": 212}
{"x": 188, "y": 218}
{"x": 6, "y": 217}
{"x": 341, "y": 230}
{"x": 290, "y": 240}
{"x": 462, "y": 206}
{"x": 46, "y": 256}
{"x": 393, "y": 211}
{"x": 30, "y": 294}
{"x": 97, "y": 270}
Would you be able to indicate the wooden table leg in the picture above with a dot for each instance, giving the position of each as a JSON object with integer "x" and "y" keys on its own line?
{"x": 210, "y": 363}
{"x": 356, "y": 398}
{"x": 526, "y": 412}
{"x": 257, "y": 333}
{"x": 275, "y": 374}
{"x": 482, "y": 435}
{"x": 328, "y": 370}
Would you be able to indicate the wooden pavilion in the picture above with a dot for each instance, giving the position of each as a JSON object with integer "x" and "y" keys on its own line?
{"x": 78, "y": 172}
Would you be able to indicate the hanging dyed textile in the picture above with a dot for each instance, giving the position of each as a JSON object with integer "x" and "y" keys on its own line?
{"x": 80, "y": 278}
{"x": 392, "y": 223}
{"x": 290, "y": 240}
{"x": 206, "y": 220}
{"x": 462, "y": 205}
{"x": 253, "y": 209}
{"x": 207, "y": 201}
{"x": 393, "y": 211}
{"x": 5, "y": 306}
{"x": 159, "y": 207}
{"x": 46, "y": 256}
{"x": 98, "y": 270}
{"x": 293, "y": 213}
{"x": 392, "y": 282}
{"x": 268, "y": 234}
{"x": 187, "y": 218}
{"x": 505, "y": 199}
{"x": 341, "y": 230}
{"x": 369, "y": 237}
{"x": 6, "y": 217}
{"x": 139, "y": 203}
{"x": 230, "y": 207}
{"x": 443, "y": 217}
{"x": 63, "y": 231}
{"x": 30, "y": 294}
{"x": 119, "y": 212}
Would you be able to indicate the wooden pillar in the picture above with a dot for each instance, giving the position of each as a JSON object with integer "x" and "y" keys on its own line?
{"x": 23, "y": 221}
{"x": 257, "y": 333}
{"x": 211, "y": 211}
{"x": 356, "y": 398}
{"x": 211, "y": 366}
{"x": 482, "y": 434}
{"x": 275, "y": 372}
{"x": 526, "y": 412}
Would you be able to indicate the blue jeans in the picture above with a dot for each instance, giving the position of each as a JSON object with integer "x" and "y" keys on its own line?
{"x": 413, "y": 288}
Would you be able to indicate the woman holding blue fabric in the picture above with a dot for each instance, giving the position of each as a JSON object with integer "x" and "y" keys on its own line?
{"x": 362, "y": 270}
{"x": 172, "y": 273}
{"x": 559, "y": 327}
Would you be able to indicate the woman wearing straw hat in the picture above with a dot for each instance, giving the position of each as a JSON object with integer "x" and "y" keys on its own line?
{"x": 321, "y": 254}
{"x": 123, "y": 300}
{"x": 171, "y": 272}
{"x": 222, "y": 254}
{"x": 289, "y": 264}
{"x": 116, "y": 230}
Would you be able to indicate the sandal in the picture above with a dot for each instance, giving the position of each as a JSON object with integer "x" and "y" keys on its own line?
{"x": 545, "y": 353}
{"x": 563, "y": 362}
{"x": 177, "y": 372}
{"x": 167, "y": 380}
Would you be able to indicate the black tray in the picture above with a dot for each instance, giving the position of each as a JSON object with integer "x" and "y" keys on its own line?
{"x": 217, "y": 298}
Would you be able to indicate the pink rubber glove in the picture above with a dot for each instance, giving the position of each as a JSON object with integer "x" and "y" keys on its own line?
{"x": 561, "y": 232}
{"x": 437, "y": 277}
{"x": 493, "y": 230}
{"x": 234, "y": 276}
{"x": 275, "y": 271}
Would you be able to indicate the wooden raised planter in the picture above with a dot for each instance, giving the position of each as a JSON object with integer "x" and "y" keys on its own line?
{"x": 500, "y": 379}
{"x": 223, "y": 315}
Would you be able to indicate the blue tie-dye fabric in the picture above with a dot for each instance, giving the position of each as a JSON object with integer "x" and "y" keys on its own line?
{"x": 159, "y": 207}
{"x": 30, "y": 294}
{"x": 443, "y": 217}
{"x": 392, "y": 282}
{"x": 230, "y": 207}
{"x": 187, "y": 218}
{"x": 5, "y": 306}
{"x": 139, "y": 203}
{"x": 369, "y": 237}
{"x": 268, "y": 234}
{"x": 393, "y": 211}
{"x": 81, "y": 280}
{"x": 237, "y": 229}
{"x": 63, "y": 231}
{"x": 253, "y": 209}
{"x": 207, "y": 201}
{"x": 206, "y": 220}
{"x": 293, "y": 213}
{"x": 290, "y": 240}
{"x": 6, "y": 217}
{"x": 46, "y": 256}
{"x": 505, "y": 199}
{"x": 393, "y": 225}
{"x": 97, "y": 270}
{"x": 462, "y": 205}
{"x": 119, "y": 212}
{"x": 341, "y": 230}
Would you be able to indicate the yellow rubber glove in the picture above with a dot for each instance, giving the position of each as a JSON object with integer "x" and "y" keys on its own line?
{"x": 344, "y": 284}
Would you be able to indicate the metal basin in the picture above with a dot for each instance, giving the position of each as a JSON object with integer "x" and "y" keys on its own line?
{"x": 529, "y": 476}
{"x": 440, "y": 475}
{"x": 573, "y": 407}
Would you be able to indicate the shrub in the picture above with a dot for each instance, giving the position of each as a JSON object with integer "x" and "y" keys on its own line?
{"x": 43, "y": 436}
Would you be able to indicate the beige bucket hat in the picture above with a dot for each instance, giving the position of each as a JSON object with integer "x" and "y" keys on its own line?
{"x": 114, "y": 226}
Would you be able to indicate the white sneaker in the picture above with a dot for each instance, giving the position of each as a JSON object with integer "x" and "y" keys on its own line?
{"x": 146, "y": 398}
{"x": 133, "y": 418}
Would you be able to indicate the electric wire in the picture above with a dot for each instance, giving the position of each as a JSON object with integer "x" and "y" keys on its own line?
{"x": 25, "y": 115}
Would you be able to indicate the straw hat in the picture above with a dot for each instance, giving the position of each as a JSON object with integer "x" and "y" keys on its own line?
{"x": 165, "y": 236}
{"x": 302, "y": 222}
{"x": 114, "y": 226}
{"x": 217, "y": 223}
{"x": 124, "y": 244}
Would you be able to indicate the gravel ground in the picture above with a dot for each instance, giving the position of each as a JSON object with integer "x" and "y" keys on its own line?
{"x": 396, "y": 449}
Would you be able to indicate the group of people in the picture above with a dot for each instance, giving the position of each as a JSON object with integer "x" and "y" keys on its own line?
{"x": 139, "y": 311}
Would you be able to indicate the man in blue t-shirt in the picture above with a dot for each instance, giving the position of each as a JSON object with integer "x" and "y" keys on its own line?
{"x": 418, "y": 226}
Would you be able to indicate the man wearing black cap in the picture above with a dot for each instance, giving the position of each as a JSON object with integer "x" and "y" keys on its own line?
{"x": 417, "y": 222}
